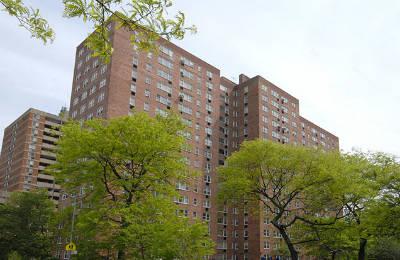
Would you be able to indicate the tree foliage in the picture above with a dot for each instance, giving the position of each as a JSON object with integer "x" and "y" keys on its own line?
{"x": 149, "y": 19}
{"x": 126, "y": 169}
{"x": 292, "y": 183}
{"x": 330, "y": 204}
{"x": 368, "y": 193}
{"x": 26, "y": 225}
{"x": 30, "y": 19}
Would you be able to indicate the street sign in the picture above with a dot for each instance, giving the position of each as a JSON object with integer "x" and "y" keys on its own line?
{"x": 70, "y": 247}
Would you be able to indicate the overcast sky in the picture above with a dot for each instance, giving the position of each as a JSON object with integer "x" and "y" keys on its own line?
{"x": 340, "y": 58}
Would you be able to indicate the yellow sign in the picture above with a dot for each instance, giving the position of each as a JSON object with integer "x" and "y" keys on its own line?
{"x": 70, "y": 247}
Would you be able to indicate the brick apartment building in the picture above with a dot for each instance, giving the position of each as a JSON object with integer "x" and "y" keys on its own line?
{"x": 256, "y": 108}
{"x": 220, "y": 114}
{"x": 28, "y": 147}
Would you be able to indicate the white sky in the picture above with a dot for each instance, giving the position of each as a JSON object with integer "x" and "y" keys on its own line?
{"x": 340, "y": 58}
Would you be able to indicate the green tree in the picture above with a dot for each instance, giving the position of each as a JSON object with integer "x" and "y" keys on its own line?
{"x": 292, "y": 183}
{"x": 148, "y": 18}
{"x": 331, "y": 241}
{"x": 368, "y": 193}
{"x": 384, "y": 248}
{"x": 125, "y": 169}
{"x": 26, "y": 225}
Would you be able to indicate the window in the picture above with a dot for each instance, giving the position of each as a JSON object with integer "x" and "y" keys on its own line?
{"x": 265, "y": 108}
{"x": 147, "y": 80}
{"x": 84, "y": 95}
{"x": 99, "y": 111}
{"x": 149, "y": 67}
{"x": 146, "y": 106}
{"x": 275, "y": 104}
{"x": 275, "y": 94}
{"x": 163, "y": 100}
{"x": 92, "y": 90}
{"x": 209, "y": 108}
{"x": 103, "y": 69}
{"x": 185, "y": 85}
{"x": 166, "y": 51}
{"x": 94, "y": 77}
{"x": 147, "y": 93}
{"x": 164, "y": 75}
{"x": 165, "y": 88}
{"x": 209, "y": 74}
{"x": 135, "y": 61}
{"x": 266, "y": 245}
{"x": 165, "y": 62}
{"x": 132, "y": 101}
{"x": 276, "y": 135}
{"x": 102, "y": 83}
{"x": 264, "y": 98}
{"x": 186, "y": 97}
{"x": 101, "y": 97}
{"x": 185, "y": 109}
{"x": 78, "y": 76}
{"x": 187, "y": 122}
{"x": 81, "y": 52}
{"x": 187, "y": 74}
{"x": 161, "y": 112}
{"x": 209, "y": 85}
{"x": 265, "y": 119}
{"x": 186, "y": 62}
{"x": 83, "y": 108}
{"x": 275, "y": 114}
{"x": 223, "y": 88}
{"x": 264, "y": 88}
{"x": 85, "y": 83}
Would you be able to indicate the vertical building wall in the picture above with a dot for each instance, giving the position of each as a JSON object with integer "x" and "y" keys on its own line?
{"x": 220, "y": 115}
{"x": 170, "y": 80}
{"x": 28, "y": 147}
{"x": 259, "y": 109}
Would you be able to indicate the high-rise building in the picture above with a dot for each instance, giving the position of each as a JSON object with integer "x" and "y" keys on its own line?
{"x": 256, "y": 108}
{"x": 220, "y": 114}
{"x": 28, "y": 147}
{"x": 171, "y": 80}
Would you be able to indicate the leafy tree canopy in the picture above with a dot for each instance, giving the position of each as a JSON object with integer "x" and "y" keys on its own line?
{"x": 125, "y": 170}
{"x": 26, "y": 225}
{"x": 294, "y": 184}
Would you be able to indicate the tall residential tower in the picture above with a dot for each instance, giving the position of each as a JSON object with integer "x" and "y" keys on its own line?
{"x": 220, "y": 114}
{"x": 28, "y": 147}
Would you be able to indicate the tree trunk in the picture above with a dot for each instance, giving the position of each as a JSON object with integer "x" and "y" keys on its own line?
{"x": 361, "y": 250}
{"x": 293, "y": 253}
{"x": 333, "y": 255}
{"x": 121, "y": 254}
